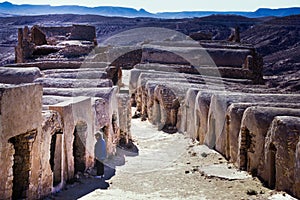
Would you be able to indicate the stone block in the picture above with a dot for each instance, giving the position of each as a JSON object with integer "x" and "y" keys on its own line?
{"x": 73, "y": 83}
{"x": 19, "y": 75}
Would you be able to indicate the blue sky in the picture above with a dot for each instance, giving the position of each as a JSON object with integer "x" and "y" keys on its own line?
{"x": 175, "y": 5}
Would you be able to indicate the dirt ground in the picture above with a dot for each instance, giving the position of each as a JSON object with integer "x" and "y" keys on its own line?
{"x": 167, "y": 166}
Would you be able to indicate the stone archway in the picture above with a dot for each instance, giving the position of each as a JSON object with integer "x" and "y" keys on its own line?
{"x": 22, "y": 158}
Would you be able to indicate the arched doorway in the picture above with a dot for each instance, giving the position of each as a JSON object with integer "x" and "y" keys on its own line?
{"x": 22, "y": 157}
{"x": 56, "y": 157}
{"x": 79, "y": 146}
{"x": 272, "y": 166}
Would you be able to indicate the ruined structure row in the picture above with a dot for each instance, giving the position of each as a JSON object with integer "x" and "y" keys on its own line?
{"x": 253, "y": 126}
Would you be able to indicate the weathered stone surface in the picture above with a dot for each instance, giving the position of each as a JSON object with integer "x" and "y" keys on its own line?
{"x": 233, "y": 120}
{"x": 48, "y": 153}
{"x": 83, "y": 32}
{"x": 75, "y": 113}
{"x": 91, "y": 74}
{"x": 184, "y": 91}
{"x": 198, "y": 36}
{"x": 52, "y": 99}
{"x": 167, "y": 108}
{"x": 280, "y": 153}
{"x": 37, "y": 36}
{"x": 219, "y": 105}
{"x": 75, "y": 92}
{"x": 188, "y": 112}
{"x": 48, "y": 65}
{"x": 141, "y": 93}
{"x": 45, "y": 50}
{"x": 35, "y": 45}
{"x": 254, "y": 127}
{"x": 124, "y": 107}
{"x": 75, "y": 51}
{"x": 19, "y": 75}
{"x": 214, "y": 60}
{"x": 106, "y": 114}
{"x": 127, "y": 60}
{"x": 52, "y": 128}
{"x": 197, "y": 56}
{"x": 74, "y": 83}
{"x": 20, "y": 137}
{"x": 100, "y": 69}
{"x": 202, "y": 104}
{"x": 115, "y": 74}
{"x": 297, "y": 171}
{"x": 140, "y": 78}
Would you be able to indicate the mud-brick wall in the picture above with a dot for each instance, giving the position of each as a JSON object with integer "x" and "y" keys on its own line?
{"x": 20, "y": 138}
{"x": 107, "y": 115}
{"x": 76, "y": 116}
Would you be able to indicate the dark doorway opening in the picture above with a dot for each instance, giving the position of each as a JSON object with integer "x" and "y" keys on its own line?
{"x": 156, "y": 112}
{"x": 272, "y": 167}
{"x": 56, "y": 157}
{"x": 79, "y": 147}
{"x": 245, "y": 148}
{"x": 22, "y": 164}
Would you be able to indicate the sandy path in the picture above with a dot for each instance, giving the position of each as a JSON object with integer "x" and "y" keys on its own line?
{"x": 167, "y": 167}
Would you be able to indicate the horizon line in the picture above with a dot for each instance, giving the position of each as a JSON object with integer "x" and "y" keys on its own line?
{"x": 151, "y": 12}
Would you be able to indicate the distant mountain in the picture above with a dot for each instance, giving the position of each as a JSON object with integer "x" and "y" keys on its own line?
{"x": 262, "y": 12}
{"x": 9, "y": 9}
{"x": 26, "y": 9}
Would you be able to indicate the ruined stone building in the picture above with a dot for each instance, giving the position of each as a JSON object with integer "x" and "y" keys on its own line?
{"x": 52, "y": 103}
{"x": 56, "y": 96}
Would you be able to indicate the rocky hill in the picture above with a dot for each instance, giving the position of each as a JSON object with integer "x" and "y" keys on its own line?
{"x": 278, "y": 40}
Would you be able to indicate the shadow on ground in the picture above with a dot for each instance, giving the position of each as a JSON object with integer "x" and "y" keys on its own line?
{"x": 87, "y": 183}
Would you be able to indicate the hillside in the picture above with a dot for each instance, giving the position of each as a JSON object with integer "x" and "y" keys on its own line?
{"x": 278, "y": 40}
